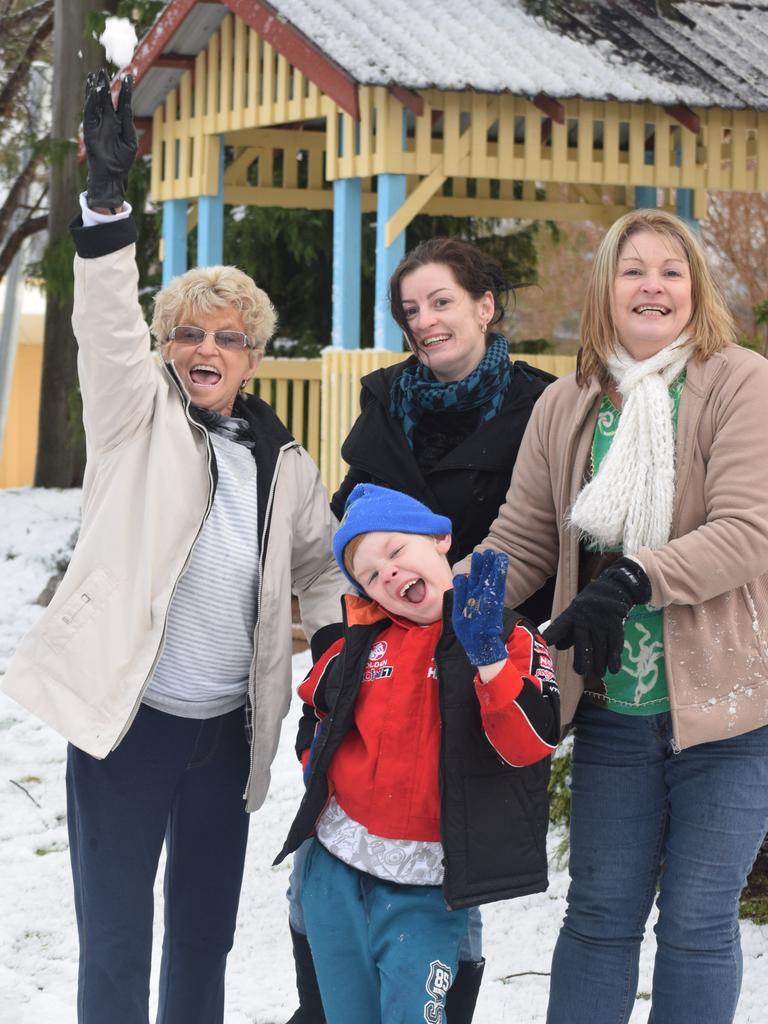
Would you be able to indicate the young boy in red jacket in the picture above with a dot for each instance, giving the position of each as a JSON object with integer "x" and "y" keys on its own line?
{"x": 425, "y": 741}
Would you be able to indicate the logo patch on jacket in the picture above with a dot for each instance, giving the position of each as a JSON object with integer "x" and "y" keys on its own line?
{"x": 377, "y": 667}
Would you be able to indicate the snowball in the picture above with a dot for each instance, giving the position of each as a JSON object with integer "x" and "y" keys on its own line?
{"x": 119, "y": 41}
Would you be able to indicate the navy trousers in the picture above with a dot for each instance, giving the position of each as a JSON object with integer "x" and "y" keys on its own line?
{"x": 178, "y": 780}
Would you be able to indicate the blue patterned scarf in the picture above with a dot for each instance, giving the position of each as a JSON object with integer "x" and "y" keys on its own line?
{"x": 416, "y": 390}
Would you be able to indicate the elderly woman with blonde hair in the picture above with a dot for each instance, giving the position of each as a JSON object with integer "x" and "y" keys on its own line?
{"x": 641, "y": 481}
{"x": 165, "y": 656}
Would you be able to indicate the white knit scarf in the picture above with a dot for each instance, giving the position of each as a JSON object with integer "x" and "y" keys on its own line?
{"x": 628, "y": 503}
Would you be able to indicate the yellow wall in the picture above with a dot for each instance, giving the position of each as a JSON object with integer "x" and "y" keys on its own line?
{"x": 317, "y": 399}
{"x": 17, "y": 464}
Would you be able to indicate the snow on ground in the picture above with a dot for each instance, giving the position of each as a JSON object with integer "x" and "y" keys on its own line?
{"x": 38, "y": 966}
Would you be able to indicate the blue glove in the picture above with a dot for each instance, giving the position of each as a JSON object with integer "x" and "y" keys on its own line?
{"x": 478, "y": 604}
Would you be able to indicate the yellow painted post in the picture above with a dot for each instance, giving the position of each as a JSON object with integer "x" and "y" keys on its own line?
{"x": 214, "y": 73}
{"x": 585, "y": 146}
{"x": 714, "y": 136}
{"x": 365, "y": 158}
{"x": 252, "y": 102}
{"x": 280, "y": 113}
{"x": 532, "y": 143}
{"x": 237, "y": 113}
{"x": 268, "y": 79}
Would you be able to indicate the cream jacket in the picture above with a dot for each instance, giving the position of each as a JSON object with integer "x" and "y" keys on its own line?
{"x": 711, "y": 578}
{"x": 148, "y": 485}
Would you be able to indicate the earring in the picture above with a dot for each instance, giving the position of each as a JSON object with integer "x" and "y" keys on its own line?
{"x": 483, "y": 327}
{"x": 244, "y": 383}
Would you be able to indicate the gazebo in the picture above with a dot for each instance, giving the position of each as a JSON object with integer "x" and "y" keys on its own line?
{"x": 409, "y": 106}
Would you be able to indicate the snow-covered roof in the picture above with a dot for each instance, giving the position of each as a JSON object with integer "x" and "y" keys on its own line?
{"x": 496, "y": 46}
{"x": 692, "y": 52}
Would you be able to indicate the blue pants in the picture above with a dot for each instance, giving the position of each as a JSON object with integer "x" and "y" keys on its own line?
{"x": 643, "y": 816}
{"x": 175, "y": 779}
{"x": 471, "y": 948}
{"x": 384, "y": 953}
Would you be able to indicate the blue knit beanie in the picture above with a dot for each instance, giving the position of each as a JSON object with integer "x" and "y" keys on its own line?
{"x": 371, "y": 508}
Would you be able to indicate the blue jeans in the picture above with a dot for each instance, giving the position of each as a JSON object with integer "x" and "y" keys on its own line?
{"x": 643, "y": 817}
{"x": 471, "y": 948}
{"x": 175, "y": 779}
{"x": 383, "y": 953}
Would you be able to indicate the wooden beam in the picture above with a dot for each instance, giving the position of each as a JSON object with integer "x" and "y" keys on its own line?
{"x": 152, "y": 45}
{"x": 552, "y": 108}
{"x": 300, "y": 51}
{"x": 687, "y": 118}
{"x": 174, "y": 60}
{"x": 411, "y": 100}
{"x": 414, "y": 204}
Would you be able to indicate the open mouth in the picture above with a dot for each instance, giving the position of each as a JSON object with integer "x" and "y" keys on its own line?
{"x": 436, "y": 339}
{"x": 414, "y": 591}
{"x": 651, "y": 311}
{"x": 204, "y": 376}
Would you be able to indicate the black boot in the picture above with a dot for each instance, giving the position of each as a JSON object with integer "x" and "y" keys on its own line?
{"x": 310, "y": 1009}
{"x": 462, "y": 995}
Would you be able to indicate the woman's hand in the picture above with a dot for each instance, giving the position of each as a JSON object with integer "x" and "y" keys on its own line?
{"x": 110, "y": 141}
{"x": 478, "y": 606}
{"x": 593, "y": 623}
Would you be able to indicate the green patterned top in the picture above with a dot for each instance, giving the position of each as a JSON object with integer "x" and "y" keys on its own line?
{"x": 640, "y": 685}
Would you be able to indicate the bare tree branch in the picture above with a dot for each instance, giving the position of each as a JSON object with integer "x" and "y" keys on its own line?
{"x": 29, "y": 227}
{"x": 11, "y": 20}
{"x": 17, "y": 193}
{"x": 11, "y": 86}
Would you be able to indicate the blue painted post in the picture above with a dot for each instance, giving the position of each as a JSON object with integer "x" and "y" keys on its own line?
{"x": 390, "y": 197}
{"x": 645, "y": 195}
{"x": 174, "y": 238}
{"x": 684, "y": 207}
{"x": 347, "y": 224}
{"x": 210, "y": 220}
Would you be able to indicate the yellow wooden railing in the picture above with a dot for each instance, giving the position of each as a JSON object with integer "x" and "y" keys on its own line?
{"x": 317, "y": 399}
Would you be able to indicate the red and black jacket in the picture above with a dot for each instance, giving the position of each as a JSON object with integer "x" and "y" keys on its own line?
{"x": 492, "y": 816}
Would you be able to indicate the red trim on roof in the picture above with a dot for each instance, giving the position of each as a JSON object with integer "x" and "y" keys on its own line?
{"x": 174, "y": 60}
{"x": 411, "y": 100}
{"x": 687, "y": 118}
{"x": 331, "y": 79}
{"x": 552, "y": 108}
{"x": 154, "y": 42}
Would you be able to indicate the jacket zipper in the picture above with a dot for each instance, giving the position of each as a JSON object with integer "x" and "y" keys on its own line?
{"x": 211, "y": 491}
{"x": 442, "y": 772}
{"x": 262, "y": 559}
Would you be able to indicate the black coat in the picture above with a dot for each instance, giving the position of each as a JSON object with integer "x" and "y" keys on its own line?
{"x": 468, "y": 485}
{"x": 493, "y": 816}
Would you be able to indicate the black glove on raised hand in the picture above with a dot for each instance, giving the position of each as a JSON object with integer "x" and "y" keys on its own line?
{"x": 110, "y": 141}
{"x": 593, "y": 623}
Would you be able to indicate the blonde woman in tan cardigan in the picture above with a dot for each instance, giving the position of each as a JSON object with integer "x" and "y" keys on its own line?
{"x": 642, "y": 482}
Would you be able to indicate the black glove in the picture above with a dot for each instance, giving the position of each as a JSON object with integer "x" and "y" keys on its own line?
{"x": 593, "y": 623}
{"x": 110, "y": 141}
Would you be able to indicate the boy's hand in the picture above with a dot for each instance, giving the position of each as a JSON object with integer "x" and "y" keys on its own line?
{"x": 478, "y": 605}
{"x": 110, "y": 141}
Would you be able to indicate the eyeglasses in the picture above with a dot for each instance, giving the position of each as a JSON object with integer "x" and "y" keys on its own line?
{"x": 227, "y": 340}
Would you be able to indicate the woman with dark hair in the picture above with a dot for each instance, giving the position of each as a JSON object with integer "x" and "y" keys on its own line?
{"x": 444, "y": 426}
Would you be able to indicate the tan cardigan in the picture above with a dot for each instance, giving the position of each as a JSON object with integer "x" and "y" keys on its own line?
{"x": 711, "y": 578}
{"x": 85, "y": 664}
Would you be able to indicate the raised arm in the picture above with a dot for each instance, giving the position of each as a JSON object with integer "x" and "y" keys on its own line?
{"x": 118, "y": 375}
